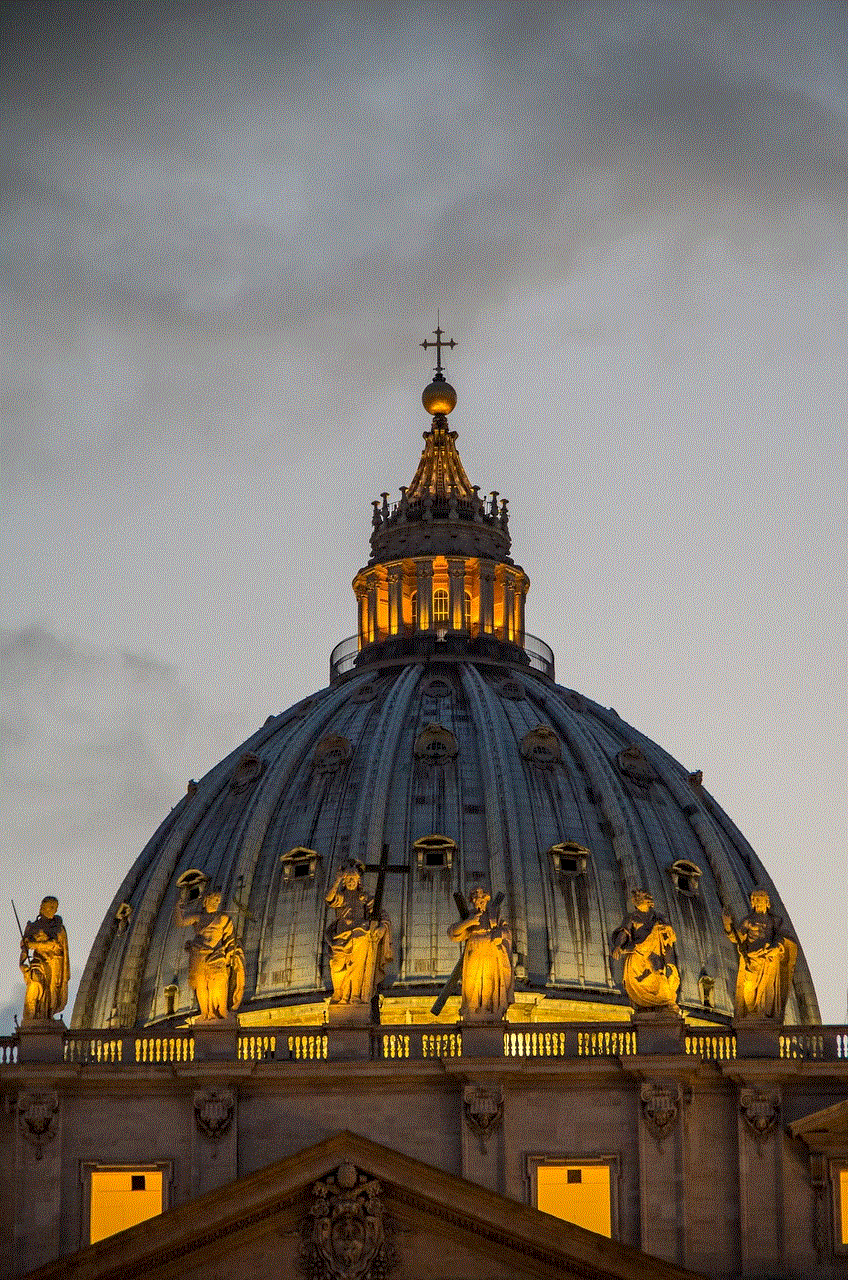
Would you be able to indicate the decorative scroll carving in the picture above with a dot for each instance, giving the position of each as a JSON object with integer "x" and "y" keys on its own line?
{"x": 766, "y": 960}
{"x": 482, "y": 1106}
{"x": 541, "y": 746}
{"x": 38, "y": 1118}
{"x": 760, "y": 1111}
{"x": 213, "y": 1111}
{"x": 636, "y": 766}
{"x": 346, "y": 1236}
{"x": 436, "y": 745}
{"x": 661, "y": 1105}
{"x": 331, "y": 754}
{"x": 44, "y": 964}
{"x": 247, "y": 773}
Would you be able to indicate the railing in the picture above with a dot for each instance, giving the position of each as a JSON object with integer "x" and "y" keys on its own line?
{"x": 494, "y": 647}
{"x": 430, "y": 1041}
{"x": 8, "y": 1049}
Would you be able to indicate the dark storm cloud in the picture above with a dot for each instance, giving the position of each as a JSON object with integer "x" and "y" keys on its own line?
{"x": 86, "y": 734}
{"x": 221, "y": 177}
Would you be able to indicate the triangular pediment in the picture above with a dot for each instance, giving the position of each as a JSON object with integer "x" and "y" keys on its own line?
{"x": 430, "y": 1223}
{"x": 825, "y": 1130}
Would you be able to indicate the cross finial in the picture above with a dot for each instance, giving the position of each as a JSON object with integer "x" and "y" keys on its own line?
{"x": 438, "y": 344}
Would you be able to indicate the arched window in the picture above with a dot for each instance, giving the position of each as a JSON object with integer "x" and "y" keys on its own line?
{"x": 414, "y": 603}
{"x": 466, "y": 611}
{"x": 441, "y": 612}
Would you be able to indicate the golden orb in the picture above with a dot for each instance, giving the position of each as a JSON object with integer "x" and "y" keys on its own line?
{"x": 439, "y": 397}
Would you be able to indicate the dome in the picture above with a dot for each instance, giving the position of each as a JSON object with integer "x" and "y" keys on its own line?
{"x": 444, "y": 751}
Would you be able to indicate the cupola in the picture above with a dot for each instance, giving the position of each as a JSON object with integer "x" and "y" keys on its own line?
{"x": 440, "y": 568}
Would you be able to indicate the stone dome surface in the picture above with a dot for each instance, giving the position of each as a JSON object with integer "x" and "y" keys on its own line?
{"x": 442, "y": 747}
{"x": 517, "y": 767}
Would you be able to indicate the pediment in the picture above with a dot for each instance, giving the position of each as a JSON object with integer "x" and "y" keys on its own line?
{"x": 431, "y": 1223}
{"x": 824, "y": 1131}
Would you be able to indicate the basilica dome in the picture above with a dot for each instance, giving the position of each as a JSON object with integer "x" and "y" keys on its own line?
{"x": 442, "y": 754}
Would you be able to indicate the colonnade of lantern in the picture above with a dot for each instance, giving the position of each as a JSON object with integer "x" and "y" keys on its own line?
{"x": 440, "y": 593}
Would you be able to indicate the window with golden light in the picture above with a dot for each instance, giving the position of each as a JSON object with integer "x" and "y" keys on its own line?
{"x": 582, "y": 1191}
{"x": 122, "y": 1196}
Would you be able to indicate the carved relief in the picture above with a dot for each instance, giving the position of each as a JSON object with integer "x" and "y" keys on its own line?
{"x": 366, "y": 692}
{"x": 660, "y": 1107}
{"x": 123, "y": 916}
{"x": 436, "y": 688}
{"x": 541, "y": 746}
{"x": 436, "y": 745}
{"x": 685, "y": 876}
{"x": 247, "y": 773}
{"x": 213, "y": 1111}
{"x": 636, "y": 766}
{"x": 512, "y": 689}
{"x": 332, "y": 753}
{"x": 760, "y": 1111}
{"x": 483, "y": 1109}
{"x": 38, "y": 1118}
{"x": 345, "y": 1236}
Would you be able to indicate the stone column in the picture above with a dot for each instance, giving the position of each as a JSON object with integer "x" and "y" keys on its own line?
{"x": 456, "y": 579}
{"x": 394, "y": 575}
{"x": 481, "y": 1124}
{"x": 487, "y": 597}
{"x": 662, "y": 1183}
{"x": 761, "y": 1193}
{"x": 38, "y": 1178}
{"x": 214, "y": 1146}
{"x": 372, "y": 607}
{"x": 424, "y": 577}
{"x": 522, "y": 597}
{"x": 362, "y": 614}
{"x": 509, "y": 606}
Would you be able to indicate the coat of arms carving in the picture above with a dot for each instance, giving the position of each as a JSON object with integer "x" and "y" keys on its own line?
{"x": 38, "y": 1118}
{"x": 213, "y": 1111}
{"x": 760, "y": 1112}
{"x": 660, "y": 1107}
{"x": 345, "y": 1236}
{"x": 483, "y": 1108}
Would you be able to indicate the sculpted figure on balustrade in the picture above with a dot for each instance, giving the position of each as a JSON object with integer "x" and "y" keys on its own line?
{"x": 766, "y": 960}
{"x": 44, "y": 964}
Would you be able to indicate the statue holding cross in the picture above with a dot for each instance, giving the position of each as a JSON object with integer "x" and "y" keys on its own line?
{"x": 488, "y": 973}
{"x": 360, "y": 945}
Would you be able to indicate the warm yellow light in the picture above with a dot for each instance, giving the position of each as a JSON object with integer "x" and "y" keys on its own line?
{"x": 577, "y": 1193}
{"x": 117, "y": 1204}
{"x": 843, "y": 1203}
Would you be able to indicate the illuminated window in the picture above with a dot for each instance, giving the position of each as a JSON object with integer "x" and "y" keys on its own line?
{"x": 582, "y": 1191}
{"x": 119, "y": 1197}
{"x": 840, "y": 1188}
{"x": 440, "y": 605}
{"x": 466, "y": 611}
{"x": 414, "y": 603}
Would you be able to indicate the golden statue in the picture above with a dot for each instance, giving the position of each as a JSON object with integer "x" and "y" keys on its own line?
{"x": 215, "y": 957}
{"x": 645, "y": 939}
{"x": 766, "y": 960}
{"x": 360, "y": 947}
{"x": 488, "y": 975}
{"x": 44, "y": 964}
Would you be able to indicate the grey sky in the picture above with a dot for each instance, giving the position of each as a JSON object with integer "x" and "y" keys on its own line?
{"x": 226, "y": 229}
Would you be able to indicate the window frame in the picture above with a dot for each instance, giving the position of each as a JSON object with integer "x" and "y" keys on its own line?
{"x": 533, "y": 1161}
{"x": 87, "y": 1167}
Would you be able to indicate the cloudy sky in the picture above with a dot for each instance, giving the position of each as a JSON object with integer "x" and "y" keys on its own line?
{"x": 227, "y": 228}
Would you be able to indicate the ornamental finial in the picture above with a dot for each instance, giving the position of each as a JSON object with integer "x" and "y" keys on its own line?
{"x": 439, "y": 397}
